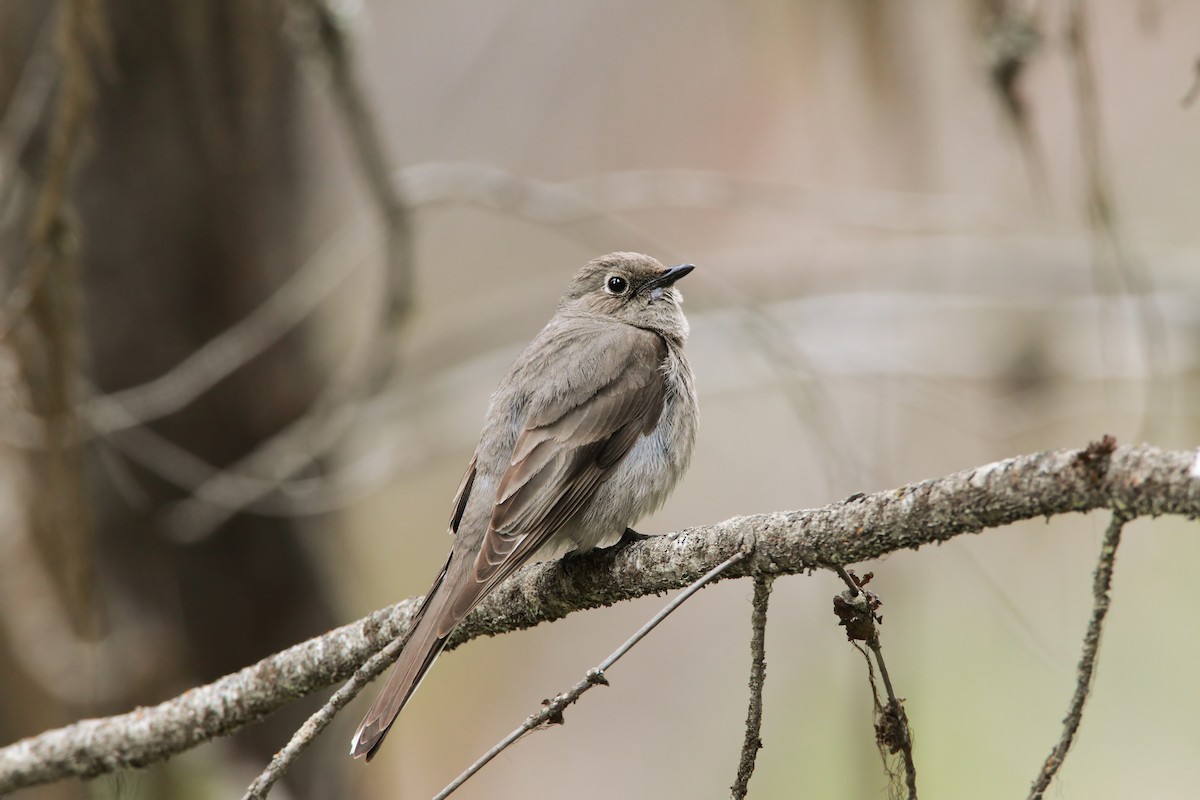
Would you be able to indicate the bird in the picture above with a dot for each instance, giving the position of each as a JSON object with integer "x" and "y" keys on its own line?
{"x": 590, "y": 429}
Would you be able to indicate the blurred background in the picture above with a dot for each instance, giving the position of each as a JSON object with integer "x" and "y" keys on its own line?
{"x": 264, "y": 263}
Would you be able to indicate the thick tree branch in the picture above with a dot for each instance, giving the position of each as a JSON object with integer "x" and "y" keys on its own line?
{"x": 1134, "y": 481}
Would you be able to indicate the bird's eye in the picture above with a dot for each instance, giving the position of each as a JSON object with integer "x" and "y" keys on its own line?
{"x": 615, "y": 284}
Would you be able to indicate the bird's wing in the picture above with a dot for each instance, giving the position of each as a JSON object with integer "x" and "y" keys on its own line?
{"x": 579, "y": 423}
{"x": 574, "y": 435}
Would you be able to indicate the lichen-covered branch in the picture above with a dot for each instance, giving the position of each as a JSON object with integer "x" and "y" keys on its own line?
{"x": 1133, "y": 481}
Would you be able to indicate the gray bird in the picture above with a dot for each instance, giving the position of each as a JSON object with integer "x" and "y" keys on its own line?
{"x": 590, "y": 429}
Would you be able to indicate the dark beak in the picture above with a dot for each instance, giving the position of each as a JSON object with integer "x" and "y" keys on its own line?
{"x": 670, "y": 276}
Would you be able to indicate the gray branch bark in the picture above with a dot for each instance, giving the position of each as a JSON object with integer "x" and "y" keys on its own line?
{"x": 1135, "y": 481}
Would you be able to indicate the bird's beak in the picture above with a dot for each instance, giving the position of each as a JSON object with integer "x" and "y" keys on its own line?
{"x": 669, "y": 276}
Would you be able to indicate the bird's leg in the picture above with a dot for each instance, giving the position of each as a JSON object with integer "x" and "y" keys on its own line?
{"x": 629, "y": 536}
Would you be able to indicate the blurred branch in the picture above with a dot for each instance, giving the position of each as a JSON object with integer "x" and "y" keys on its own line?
{"x": 606, "y": 194}
{"x": 294, "y": 449}
{"x": 1109, "y": 250}
{"x": 310, "y": 285}
{"x": 1136, "y": 481}
{"x": 1012, "y": 38}
{"x": 1101, "y": 585}
{"x": 30, "y": 99}
{"x": 276, "y": 461}
{"x": 324, "y": 34}
{"x": 263, "y": 482}
{"x": 41, "y": 316}
{"x": 78, "y": 34}
{"x": 1194, "y": 90}
{"x": 35, "y": 619}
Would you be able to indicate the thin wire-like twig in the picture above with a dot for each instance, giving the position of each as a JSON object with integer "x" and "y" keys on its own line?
{"x": 1101, "y": 584}
{"x": 552, "y": 709}
{"x": 752, "y": 742}
{"x": 306, "y": 733}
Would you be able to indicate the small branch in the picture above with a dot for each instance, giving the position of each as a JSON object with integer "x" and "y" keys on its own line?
{"x": 752, "y": 743}
{"x": 856, "y": 609}
{"x": 1136, "y": 481}
{"x": 308, "y": 732}
{"x": 1101, "y": 584}
{"x": 552, "y": 709}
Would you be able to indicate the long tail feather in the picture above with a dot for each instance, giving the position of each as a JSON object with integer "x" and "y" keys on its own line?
{"x": 420, "y": 651}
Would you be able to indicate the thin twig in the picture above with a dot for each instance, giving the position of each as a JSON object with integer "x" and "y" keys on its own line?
{"x": 552, "y": 709}
{"x": 893, "y": 730}
{"x": 306, "y": 733}
{"x": 1101, "y": 584}
{"x": 856, "y": 609}
{"x": 752, "y": 742}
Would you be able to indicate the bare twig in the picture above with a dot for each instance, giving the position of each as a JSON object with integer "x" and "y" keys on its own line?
{"x": 306, "y": 733}
{"x": 552, "y": 709}
{"x": 1136, "y": 480}
{"x": 752, "y": 742}
{"x": 1101, "y": 584}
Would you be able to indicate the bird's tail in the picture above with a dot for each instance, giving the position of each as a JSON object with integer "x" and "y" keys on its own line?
{"x": 421, "y": 648}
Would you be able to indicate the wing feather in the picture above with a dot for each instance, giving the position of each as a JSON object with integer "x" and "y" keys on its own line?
{"x": 563, "y": 453}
